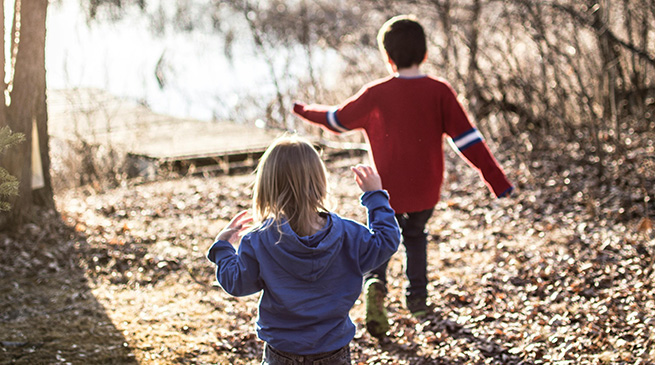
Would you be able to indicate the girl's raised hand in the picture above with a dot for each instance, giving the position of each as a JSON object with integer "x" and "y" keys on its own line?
{"x": 367, "y": 178}
{"x": 235, "y": 228}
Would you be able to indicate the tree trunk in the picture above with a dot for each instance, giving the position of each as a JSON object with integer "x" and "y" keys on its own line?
{"x": 27, "y": 102}
{"x": 43, "y": 196}
{"x": 3, "y": 106}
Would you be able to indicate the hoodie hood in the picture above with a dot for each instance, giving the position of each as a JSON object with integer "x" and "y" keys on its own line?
{"x": 305, "y": 258}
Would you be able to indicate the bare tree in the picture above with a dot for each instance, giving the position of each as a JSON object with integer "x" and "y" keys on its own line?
{"x": 535, "y": 74}
{"x": 27, "y": 107}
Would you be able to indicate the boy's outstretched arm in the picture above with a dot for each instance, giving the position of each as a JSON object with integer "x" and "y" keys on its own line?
{"x": 351, "y": 114}
{"x": 479, "y": 156}
{"x": 321, "y": 115}
{"x": 470, "y": 144}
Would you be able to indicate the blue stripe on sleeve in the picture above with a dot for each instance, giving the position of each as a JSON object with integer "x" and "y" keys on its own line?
{"x": 472, "y": 130}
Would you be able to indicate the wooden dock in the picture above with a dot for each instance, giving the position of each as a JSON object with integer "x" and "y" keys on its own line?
{"x": 153, "y": 141}
{"x": 98, "y": 118}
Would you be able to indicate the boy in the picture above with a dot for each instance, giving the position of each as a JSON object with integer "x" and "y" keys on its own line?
{"x": 404, "y": 117}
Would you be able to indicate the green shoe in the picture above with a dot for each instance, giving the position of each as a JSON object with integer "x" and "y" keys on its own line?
{"x": 417, "y": 306}
{"x": 377, "y": 323}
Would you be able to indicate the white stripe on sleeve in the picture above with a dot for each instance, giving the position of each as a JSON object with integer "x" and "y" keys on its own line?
{"x": 334, "y": 122}
{"x": 470, "y": 138}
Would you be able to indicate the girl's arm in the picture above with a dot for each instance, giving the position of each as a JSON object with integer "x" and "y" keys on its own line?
{"x": 382, "y": 238}
{"x": 381, "y": 241}
{"x": 237, "y": 273}
{"x": 235, "y": 229}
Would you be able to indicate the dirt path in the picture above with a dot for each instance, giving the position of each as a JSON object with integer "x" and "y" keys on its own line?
{"x": 542, "y": 277}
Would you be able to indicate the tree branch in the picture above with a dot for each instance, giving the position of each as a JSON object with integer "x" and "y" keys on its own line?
{"x": 602, "y": 28}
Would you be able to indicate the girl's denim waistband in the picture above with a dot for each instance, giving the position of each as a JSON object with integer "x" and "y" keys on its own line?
{"x": 273, "y": 356}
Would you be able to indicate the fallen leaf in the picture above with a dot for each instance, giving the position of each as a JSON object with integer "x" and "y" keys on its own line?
{"x": 645, "y": 225}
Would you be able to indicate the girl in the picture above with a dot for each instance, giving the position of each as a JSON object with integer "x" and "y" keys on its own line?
{"x": 308, "y": 262}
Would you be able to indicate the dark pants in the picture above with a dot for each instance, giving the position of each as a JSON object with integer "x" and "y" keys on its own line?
{"x": 415, "y": 240}
{"x": 273, "y": 356}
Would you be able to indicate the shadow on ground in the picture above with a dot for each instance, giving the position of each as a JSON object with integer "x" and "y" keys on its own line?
{"x": 48, "y": 313}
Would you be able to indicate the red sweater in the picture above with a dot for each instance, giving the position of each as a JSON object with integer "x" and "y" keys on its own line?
{"x": 404, "y": 120}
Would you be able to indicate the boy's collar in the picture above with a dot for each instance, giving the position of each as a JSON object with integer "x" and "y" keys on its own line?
{"x": 399, "y": 76}
{"x": 411, "y": 72}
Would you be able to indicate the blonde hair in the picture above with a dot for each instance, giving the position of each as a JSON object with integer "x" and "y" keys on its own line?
{"x": 291, "y": 183}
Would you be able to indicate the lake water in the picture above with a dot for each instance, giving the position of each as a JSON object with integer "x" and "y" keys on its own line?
{"x": 201, "y": 82}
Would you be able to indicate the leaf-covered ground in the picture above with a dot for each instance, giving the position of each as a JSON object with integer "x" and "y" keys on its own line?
{"x": 561, "y": 272}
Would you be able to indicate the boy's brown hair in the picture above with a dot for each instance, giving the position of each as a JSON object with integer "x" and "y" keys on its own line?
{"x": 402, "y": 39}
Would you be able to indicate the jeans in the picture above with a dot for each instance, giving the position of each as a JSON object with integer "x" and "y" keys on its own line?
{"x": 277, "y": 357}
{"x": 415, "y": 240}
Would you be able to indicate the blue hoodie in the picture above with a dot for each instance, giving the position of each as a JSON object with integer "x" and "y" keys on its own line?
{"x": 309, "y": 283}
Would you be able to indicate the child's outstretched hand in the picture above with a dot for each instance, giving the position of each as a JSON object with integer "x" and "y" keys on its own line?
{"x": 298, "y": 107}
{"x": 235, "y": 228}
{"x": 367, "y": 178}
{"x": 507, "y": 193}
